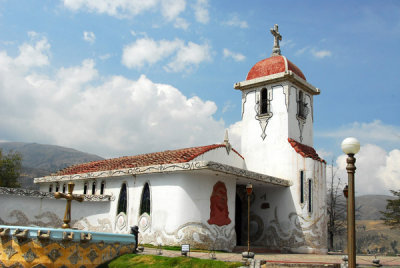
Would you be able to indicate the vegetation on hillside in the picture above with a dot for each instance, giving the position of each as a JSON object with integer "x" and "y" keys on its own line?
{"x": 133, "y": 260}
{"x": 391, "y": 216}
{"x": 10, "y": 168}
{"x": 372, "y": 237}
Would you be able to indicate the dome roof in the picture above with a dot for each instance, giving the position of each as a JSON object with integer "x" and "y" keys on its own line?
{"x": 273, "y": 65}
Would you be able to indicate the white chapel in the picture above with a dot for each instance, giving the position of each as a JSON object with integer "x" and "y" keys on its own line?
{"x": 197, "y": 195}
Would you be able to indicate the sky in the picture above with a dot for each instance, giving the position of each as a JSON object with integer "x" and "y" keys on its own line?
{"x": 125, "y": 77}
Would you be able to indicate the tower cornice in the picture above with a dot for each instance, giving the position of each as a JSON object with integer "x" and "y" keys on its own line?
{"x": 273, "y": 78}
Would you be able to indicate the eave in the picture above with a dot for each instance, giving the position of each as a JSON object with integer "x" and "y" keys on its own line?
{"x": 274, "y": 78}
{"x": 168, "y": 168}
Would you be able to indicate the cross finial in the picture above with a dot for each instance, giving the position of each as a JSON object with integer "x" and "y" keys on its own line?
{"x": 69, "y": 197}
{"x": 276, "y": 50}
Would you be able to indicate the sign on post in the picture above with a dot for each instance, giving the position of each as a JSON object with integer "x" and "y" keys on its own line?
{"x": 185, "y": 249}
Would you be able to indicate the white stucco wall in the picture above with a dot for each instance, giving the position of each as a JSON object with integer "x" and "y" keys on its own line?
{"x": 180, "y": 209}
{"x": 34, "y": 211}
{"x": 221, "y": 155}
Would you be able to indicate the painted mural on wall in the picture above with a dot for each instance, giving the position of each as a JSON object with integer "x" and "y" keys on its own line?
{"x": 198, "y": 235}
{"x": 219, "y": 212}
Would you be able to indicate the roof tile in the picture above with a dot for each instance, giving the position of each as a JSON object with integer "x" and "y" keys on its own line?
{"x": 305, "y": 150}
{"x": 158, "y": 158}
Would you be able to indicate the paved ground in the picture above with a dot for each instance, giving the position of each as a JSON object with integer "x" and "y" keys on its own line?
{"x": 282, "y": 258}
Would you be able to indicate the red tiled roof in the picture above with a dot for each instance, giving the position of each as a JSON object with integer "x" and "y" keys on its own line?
{"x": 159, "y": 158}
{"x": 273, "y": 65}
{"x": 304, "y": 150}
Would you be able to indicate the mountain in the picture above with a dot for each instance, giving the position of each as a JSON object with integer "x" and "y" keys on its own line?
{"x": 40, "y": 159}
{"x": 370, "y": 205}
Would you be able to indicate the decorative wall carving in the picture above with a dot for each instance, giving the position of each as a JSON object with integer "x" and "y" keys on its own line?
{"x": 121, "y": 222}
{"x": 198, "y": 235}
{"x": 244, "y": 99}
{"x": 293, "y": 234}
{"x": 286, "y": 91}
{"x": 311, "y": 105}
{"x": 219, "y": 213}
{"x": 144, "y": 222}
{"x": 45, "y": 219}
{"x": 50, "y": 219}
{"x": 104, "y": 225}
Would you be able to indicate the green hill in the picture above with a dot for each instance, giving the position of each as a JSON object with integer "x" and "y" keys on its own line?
{"x": 40, "y": 159}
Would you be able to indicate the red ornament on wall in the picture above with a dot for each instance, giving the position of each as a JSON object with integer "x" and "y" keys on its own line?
{"x": 219, "y": 213}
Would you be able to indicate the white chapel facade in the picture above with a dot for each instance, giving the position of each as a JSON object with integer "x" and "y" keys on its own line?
{"x": 197, "y": 195}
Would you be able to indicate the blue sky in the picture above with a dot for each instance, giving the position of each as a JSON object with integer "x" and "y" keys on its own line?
{"x": 126, "y": 77}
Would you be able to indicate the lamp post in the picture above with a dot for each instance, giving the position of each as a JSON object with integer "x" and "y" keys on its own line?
{"x": 249, "y": 190}
{"x": 351, "y": 146}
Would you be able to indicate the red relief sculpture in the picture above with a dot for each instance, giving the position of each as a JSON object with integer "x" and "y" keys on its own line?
{"x": 219, "y": 213}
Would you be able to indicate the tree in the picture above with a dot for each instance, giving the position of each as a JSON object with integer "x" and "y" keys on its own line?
{"x": 391, "y": 216}
{"x": 10, "y": 168}
{"x": 336, "y": 209}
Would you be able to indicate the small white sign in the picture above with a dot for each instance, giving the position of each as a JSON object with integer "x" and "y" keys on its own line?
{"x": 185, "y": 248}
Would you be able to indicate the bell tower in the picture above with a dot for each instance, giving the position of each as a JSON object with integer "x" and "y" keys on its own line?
{"x": 277, "y": 108}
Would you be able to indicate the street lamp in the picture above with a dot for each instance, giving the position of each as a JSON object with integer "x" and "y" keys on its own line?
{"x": 248, "y": 254}
{"x": 346, "y": 191}
{"x": 351, "y": 146}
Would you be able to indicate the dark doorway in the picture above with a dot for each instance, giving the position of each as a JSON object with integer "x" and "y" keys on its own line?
{"x": 238, "y": 220}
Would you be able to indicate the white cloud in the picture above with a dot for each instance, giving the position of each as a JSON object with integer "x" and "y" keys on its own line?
{"x": 127, "y": 9}
{"x": 34, "y": 53}
{"x": 320, "y": 54}
{"x": 119, "y": 9}
{"x": 236, "y": 22}
{"x": 288, "y": 43}
{"x": 324, "y": 154}
{"x": 201, "y": 11}
{"x": 189, "y": 56}
{"x": 236, "y": 56}
{"x": 109, "y": 116}
{"x": 378, "y": 171}
{"x": 181, "y": 57}
{"x": 105, "y": 56}
{"x": 147, "y": 51}
{"x": 172, "y": 8}
{"x": 181, "y": 24}
{"x": 235, "y": 134}
{"x": 316, "y": 53}
{"x": 89, "y": 37}
{"x": 374, "y": 132}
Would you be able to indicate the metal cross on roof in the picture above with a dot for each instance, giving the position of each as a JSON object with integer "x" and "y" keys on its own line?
{"x": 69, "y": 197}
{"x": 276, "y": 50}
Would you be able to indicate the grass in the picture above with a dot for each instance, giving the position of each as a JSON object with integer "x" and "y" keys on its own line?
{"x": 134, "y": 260}
{"x": 177, "y": 248}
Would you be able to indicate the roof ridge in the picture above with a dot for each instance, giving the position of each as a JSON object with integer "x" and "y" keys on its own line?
{"x": 155, "y": 158}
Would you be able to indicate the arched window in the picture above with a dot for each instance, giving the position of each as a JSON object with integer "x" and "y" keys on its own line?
{"x": 85, "y": 186}
{"x": 122, "y": 201}
{"x": 301, "y": 106}
{"x": 57, "y": 187}
{"x": 64, "y": 187}
{"x": 50, "y": 188}
{"x": 94, "y": 187}
{"x": 103, "y": 184}
{"x": 264, "y": 104}
{"x": 145, "y": 203}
